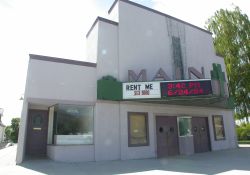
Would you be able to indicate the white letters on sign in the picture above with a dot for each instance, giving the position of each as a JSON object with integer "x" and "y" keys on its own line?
{"x": 137, "y": 90}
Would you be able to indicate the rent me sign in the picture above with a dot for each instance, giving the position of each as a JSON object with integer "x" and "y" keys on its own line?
{"x": 141, "y": 90}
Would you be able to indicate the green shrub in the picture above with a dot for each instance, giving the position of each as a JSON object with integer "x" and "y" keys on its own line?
{"x": 11, "y": 132}
{"x": 243, "y": 132}
{"x": 244, "y": 142}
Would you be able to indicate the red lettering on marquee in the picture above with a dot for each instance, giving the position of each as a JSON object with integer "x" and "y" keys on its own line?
{"x": 170, "y": 86}
{"x": 186, "y": 88}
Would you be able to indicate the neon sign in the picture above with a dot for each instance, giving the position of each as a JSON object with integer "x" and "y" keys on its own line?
{"x": 186, "y": 88}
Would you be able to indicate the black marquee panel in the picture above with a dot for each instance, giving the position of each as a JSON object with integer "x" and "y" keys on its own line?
{"x": 185, "y": 88}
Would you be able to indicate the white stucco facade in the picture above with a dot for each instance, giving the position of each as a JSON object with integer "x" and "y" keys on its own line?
{"x": 48, "y": 83}
{"x": 2, "y": 128}
{"x": 136, "y": 38}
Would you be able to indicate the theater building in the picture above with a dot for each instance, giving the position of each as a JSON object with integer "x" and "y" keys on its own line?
{"x": 151, "y": 86}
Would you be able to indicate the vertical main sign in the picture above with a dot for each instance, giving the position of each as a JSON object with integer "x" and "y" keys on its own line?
{"x": 141, "y": 90}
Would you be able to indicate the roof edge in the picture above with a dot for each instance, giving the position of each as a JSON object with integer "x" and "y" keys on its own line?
{"x": 158, "y": 12}
{"x": 219, "y": 55}
{"x": 100, "y": 19}
{"x": 61, "y": 60}
{"x": 112, "y": 6}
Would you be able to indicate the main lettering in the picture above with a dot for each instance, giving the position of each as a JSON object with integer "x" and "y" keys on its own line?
{"x": 162, "y": 76}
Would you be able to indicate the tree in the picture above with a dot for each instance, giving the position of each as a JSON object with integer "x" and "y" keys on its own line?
{"x": 15, "y": 129}
{"x": 231, "y": 36}
{"x": 8, "y": 131}
{"x": 11, "y": 132}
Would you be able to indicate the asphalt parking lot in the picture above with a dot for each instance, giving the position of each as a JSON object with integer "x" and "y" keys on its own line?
{"x": 233, "y": 161}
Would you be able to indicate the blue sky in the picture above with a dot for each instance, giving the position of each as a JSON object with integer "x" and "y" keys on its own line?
{"x": 58, "y": 28}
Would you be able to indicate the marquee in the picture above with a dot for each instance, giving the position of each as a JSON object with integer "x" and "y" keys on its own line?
{"x": 164, "y": 89}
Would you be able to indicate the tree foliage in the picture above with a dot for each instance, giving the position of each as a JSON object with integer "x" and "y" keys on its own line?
{"x": 231, "y": 34}
{"x": 8, "y": 132}
{"x": 11, "y": 132}
{"x": 243, "y": 132}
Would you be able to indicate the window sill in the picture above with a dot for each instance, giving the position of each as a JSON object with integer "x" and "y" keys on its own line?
{"x": 220, "y": 139}
{"x": 70, "y": 144}
{"x": 187, "y": 136}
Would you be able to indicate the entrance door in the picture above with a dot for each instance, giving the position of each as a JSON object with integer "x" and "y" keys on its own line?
{"x": 36, "y": 144}
{"x": 201, "y": 134}
{"x": 167, "y": 136}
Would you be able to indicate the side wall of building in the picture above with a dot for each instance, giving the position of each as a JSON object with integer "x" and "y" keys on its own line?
{"x": 114, "y": 13}
{"x": 2, "y": 133}
{"x": 107, "y": 61}
{"x": 107, "y": 131}
{"x": 71, "y": 153}
{"x": 200, "y": 51}
{"x": 49, "y": 83}
{"x": 22, "y": 133}
{"x": 92, "y": 45}
{"x": 142, "y": 43}
{"x": 51, "y": 80}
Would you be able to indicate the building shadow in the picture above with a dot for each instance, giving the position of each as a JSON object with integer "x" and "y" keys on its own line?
{"x": 205, "y": 163}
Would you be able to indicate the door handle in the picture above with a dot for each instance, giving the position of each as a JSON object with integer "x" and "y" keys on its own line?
{"x": 37, "y": 129}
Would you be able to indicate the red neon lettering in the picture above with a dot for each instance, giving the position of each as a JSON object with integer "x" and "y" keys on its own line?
{"x": 190, "y": 85}
{"x": 180, "y": 92}
{"x": 201, "y": 91}
{"x": 170, "y": 93}
{"x": 196, "y": 91}
{"x": 185, "y": 91}
{"x": 178, "y": 85}
{"x": 198, "y": 85}
{"x": 170, "y": 85}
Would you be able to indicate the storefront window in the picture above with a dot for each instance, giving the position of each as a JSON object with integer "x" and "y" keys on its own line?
{"x": 72, "y": 124}
{"x": 219, "y": 133}
{"x": 185, "y": 126}
{"x": 138, "y": 129}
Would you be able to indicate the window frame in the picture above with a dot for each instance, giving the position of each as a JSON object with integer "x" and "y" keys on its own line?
{"x": 178, "y": 124}
{"x": 224, "y": 134}
{"x": 55, "y": 124}
{"x": 147, "y": 130}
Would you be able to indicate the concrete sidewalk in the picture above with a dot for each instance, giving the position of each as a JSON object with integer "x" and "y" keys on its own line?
{"x": 8, "y": 156}
{"x": 234, "y": 161}
{"x": 244, "y": 145}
